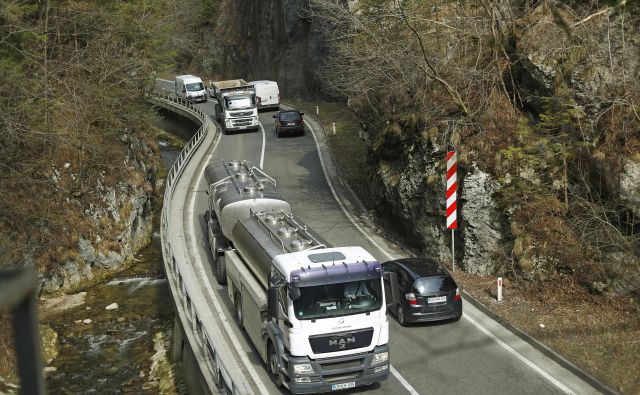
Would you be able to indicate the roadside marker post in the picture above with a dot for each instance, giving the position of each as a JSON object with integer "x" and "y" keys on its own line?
{"x": 334, "y": 127}
{"x": 499, "y": 289}
{"x": 452, "y": 186}
{"x": 317, "y": 110}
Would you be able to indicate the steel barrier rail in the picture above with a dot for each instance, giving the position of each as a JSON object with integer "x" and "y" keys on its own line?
{"x": 215, "y": 360}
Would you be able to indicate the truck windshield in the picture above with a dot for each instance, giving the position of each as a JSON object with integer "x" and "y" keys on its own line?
{"x": 240, "y": 103}
{"x": 334, "y": 300}
{"x": 196, "y": 86}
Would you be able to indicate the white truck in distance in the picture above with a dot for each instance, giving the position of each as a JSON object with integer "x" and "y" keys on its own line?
{"x": 316, "y": 315}
{"x": 236, "y": 109}
{"x": 190, "y": 87}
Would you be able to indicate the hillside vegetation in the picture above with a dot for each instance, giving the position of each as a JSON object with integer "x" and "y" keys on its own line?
{"x": 541, "y": 101}
{"x": 77, "y": 161}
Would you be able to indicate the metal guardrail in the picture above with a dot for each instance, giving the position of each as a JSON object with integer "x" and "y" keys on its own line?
{"x": 18, "y": 292}
{"x": 200, "y": 331}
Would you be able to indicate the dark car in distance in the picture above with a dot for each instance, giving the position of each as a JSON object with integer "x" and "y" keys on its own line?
{"x": 424, "y": 289}
{"x": 289, "y": 122}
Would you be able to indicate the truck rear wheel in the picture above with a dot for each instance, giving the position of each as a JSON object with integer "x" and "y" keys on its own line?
{"x": 272, "y": 359}
{"x": 221, "y": 270}
{"x": 238, "y": 306}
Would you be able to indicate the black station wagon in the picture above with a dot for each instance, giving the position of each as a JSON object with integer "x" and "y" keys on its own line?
{"x": 424, "y": 289}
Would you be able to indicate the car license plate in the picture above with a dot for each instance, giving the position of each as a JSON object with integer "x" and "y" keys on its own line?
{"x": 438, "y": 299}
{"x": 291, "y": 124}
{"x": 341, "y": 386}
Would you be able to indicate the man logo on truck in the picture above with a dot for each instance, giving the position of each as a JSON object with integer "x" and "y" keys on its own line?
{"x": 342, "y": 342}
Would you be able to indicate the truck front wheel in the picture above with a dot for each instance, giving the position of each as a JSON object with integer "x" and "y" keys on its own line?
{"x": 272, "y": 357}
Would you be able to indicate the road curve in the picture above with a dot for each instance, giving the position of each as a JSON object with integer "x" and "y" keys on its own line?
{"x": 475, "y": 355}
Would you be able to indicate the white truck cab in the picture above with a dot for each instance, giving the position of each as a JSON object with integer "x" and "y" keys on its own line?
{"x": 190, "y": 87}
{"x": 236, "y": 108}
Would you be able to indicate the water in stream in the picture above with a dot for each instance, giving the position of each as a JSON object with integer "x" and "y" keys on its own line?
{"x": 113, "y": 352}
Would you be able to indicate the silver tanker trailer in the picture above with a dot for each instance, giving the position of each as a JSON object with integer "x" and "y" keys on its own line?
{"x": 316, "y": 314}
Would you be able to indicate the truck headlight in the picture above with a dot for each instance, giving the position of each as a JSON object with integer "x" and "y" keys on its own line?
{"x": 302, "y": 368}
{"x": 380, "y": 357}
{"x": 228, "y": 123}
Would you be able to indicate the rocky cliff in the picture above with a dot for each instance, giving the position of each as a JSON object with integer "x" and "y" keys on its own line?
{"x": 118, "y": 216}
{"x": 268, "y": 39}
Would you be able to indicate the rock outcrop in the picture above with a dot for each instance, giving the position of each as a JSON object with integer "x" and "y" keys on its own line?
{"x": 481, "y": 221}
{"x": 267, "y": 39}
{"x": 119, "y": 219}
{"x": 630, "y": 186}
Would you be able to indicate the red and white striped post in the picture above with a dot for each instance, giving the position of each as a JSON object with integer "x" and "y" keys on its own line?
{"x": 452, "y": 186}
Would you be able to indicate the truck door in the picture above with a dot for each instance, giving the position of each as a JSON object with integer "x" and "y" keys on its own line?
{"x": 284, "y": 323}
{"x": 391, "y": 286}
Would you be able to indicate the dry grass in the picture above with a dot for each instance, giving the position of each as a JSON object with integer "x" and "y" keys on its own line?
{"x": 601, "y": 335}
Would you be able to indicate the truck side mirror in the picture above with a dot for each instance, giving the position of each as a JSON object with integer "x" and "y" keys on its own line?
{"x": 294, "y": 293}
{"x": 274, "y": 116}
{"x": 272, "y": 303}
{"x": 391, "y": 281}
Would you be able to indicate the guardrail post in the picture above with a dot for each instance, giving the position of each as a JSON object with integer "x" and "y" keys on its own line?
{"x": 25, "y": 325}
{"x": 17, "y": 290}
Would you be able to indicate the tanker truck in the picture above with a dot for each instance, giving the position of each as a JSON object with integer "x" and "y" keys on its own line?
{"x": 236, "y": 109}
{"x": 316, "y": 314}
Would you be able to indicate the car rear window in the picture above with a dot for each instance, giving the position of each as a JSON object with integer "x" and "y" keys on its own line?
{"x": 290, "y": 116}
{"x": 433, "y": 285}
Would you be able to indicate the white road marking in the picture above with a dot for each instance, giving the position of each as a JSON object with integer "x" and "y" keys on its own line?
{"x": 263, "y": 144}
{"x": 402, "y": 381}
{"x": 200, "y": 268}
{"x": 393, "y": 370}
{"x": 342, "y": 207}
{"x": 516, "y": 354}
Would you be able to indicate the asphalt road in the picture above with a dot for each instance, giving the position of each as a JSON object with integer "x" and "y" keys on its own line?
{"x": 472, "y": 356}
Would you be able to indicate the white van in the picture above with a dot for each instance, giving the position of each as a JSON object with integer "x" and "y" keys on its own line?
{"x": 267, "y": 94}
{"x": 191, "y": 88}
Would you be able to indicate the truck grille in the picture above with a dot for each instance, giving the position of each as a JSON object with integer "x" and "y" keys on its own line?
{"x": 341, "y": 341}
{"x": 241, "y": 114}
{"x": 242, "y": 122}
{"x": 342, "y": 365}
{"x": 341, "y": 377}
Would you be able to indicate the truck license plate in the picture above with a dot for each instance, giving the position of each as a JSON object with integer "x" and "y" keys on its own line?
{"x": 342, "y": 386}
{"x": 438, "y": 299}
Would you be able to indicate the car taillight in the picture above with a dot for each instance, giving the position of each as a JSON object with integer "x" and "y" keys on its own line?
{"x": 411, "y": 298}
{"x": 301, "y": 123}
{"x": 278, "y": 123}
{"x": 457, "y": 297}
